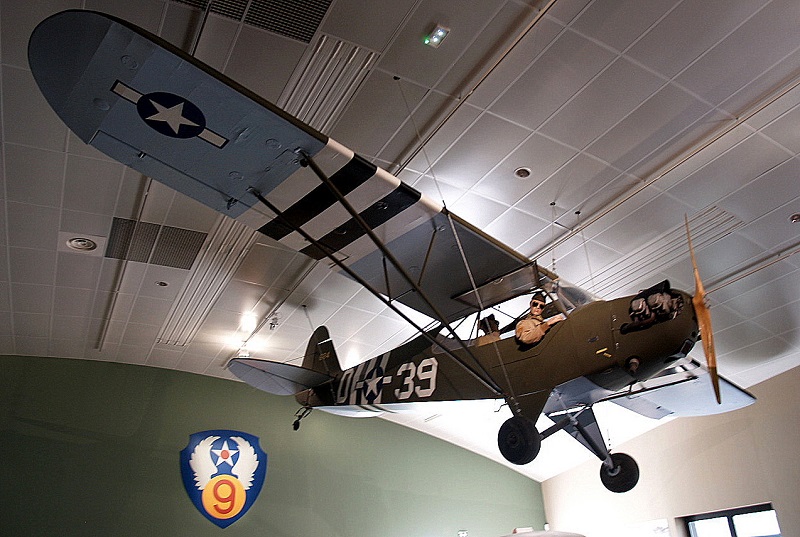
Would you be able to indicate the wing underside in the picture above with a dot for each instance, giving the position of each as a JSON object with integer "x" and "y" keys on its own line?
{"x": 673, "y": 393}
{"x": 156, "y": 109}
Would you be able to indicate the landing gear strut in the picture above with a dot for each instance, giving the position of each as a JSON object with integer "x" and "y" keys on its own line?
{"x": 619, "y": 472}
{"x": 299, "y": 415}
{"x": 518, "y": 440}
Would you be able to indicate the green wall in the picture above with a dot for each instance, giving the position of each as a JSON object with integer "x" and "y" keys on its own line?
{"x": 91, "y": 448}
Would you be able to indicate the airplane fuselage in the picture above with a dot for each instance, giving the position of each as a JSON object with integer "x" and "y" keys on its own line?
{"x": 596, "y": 341}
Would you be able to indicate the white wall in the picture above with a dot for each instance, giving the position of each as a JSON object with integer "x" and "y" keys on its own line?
{"x": 695, "y": 465}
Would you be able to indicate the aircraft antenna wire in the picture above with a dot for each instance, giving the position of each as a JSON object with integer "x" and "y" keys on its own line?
{"x": 553, "y": 236}
{"x": 586, "y": 252}
{"x": 428, "y": 162}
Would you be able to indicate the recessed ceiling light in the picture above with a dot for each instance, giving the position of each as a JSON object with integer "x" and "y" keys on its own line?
{"x": 82, "y": 244}
{"x": 435, "y": 38}
{"x": 248, "y": 323}
{"x": 522, "y": 172}
{"x": 795, "y": 218}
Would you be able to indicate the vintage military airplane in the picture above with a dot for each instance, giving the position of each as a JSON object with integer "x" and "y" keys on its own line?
{"x": 160, "y": 111}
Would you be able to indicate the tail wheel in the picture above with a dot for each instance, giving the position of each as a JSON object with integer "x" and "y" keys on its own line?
{"x": 518, "y": 440}
{"x": 622, "y": 476}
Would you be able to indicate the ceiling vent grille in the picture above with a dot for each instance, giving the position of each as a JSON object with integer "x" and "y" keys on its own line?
{"x": 146, "y": 242}
{"x": 233, "y": 9}
{"x": 177, "y": 247}
{"x": 296, "y": 19}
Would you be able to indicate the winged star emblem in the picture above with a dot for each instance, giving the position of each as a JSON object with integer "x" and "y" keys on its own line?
{"x": 223, "y": 472}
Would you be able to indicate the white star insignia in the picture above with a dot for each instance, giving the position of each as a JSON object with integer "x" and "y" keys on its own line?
{"x": 225, "y": 454}
{"x": 373, "y": 384}
{"x": 172, "y": 116}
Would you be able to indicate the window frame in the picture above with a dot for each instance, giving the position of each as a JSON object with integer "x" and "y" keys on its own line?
{"x": 728, "y": 514}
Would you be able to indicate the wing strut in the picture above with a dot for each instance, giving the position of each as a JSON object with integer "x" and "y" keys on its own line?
{"x": 329, "y": 253}
{"x": 512, "y": 397}
{"x": 307, "y": 160}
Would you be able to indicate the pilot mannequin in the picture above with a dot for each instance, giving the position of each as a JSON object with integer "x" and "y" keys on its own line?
{"x": 491, "y": 330}
{"x": 533, "y": 327}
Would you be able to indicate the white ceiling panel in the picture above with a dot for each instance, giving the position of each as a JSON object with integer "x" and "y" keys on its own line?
{"x": 27, "y": 118}
{"x": 687, "y": 33}
{"x": 370, "y": 24}
{"x": 591, "y": 113}
{"x": 426, "y": 65}
{"x": 775, "y": 230}
{"x": 744, "y": 54}
{"x": 144, "y": 13}
{"x": 444, "y": 135}
{"x": 750, "y": 158}
{"x": 486, "y": 45}
{"x": 30, "y": 298}
{"x": 560, "y": 72}
{"x": 783, "y": 130}
{"x": 38, "y": 167}
{"x": 476, "y": 153}
{"x": 256, "y": 64}
{"x": 78, "y": 270}
{"x": 377, "y": 90}
{"x": 91, "y": 186}
{"x": 576, "y": 184}
{"x": 32, "y": 226}
{"x": 618, "y": 23}
{"x": 656, "y": 121}
{"x": 508, "y": 71}
{"x": 541, "y": 155}
{"x": 765, "y": 193}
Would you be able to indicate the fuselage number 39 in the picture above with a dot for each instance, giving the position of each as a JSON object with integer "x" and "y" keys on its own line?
{"x": 417, "y": 379}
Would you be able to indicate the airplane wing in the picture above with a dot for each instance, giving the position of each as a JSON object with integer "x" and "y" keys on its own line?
{"x": 163, "y": 113}
{"x": 683, "y": 392}
{"x": 673, "y": 393}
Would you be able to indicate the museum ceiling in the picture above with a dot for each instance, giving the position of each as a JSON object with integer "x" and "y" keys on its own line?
{"x": 579, "y": 136}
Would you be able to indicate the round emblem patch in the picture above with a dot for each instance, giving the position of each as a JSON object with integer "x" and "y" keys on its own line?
{"x": 171, "y": 115}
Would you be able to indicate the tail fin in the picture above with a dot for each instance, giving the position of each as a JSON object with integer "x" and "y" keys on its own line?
{"x": 320, "y": 355}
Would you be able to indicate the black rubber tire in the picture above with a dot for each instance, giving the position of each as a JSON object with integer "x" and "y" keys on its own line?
{"x": 623, "y": 477}
{"x": 518, "y": 440}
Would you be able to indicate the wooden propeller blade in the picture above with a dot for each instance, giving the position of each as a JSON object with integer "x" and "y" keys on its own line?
{"x": 704, "y": 319}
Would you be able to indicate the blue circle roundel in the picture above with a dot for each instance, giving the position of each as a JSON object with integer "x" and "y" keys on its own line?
{"x": 171, "y": 115}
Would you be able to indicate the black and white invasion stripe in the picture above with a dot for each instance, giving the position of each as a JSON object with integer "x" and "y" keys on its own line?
{"x": 388, "y": 206}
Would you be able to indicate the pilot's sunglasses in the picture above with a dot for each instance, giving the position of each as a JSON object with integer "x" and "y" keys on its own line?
{"x": 537, "y": 304}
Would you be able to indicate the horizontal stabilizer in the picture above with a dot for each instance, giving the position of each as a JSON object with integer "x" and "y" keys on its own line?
{"x": 276, "y": 378}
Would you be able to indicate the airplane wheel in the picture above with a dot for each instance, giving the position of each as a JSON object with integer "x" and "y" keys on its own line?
{"x": 518, "y": 440}
{"x": 623, "y": 477}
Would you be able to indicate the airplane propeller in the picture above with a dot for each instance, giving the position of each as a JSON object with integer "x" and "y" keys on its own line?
{"x": 704, "y": 319}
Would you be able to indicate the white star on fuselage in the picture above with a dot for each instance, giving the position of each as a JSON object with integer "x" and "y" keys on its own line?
{"x": 225, "y": 454}
{"x": 373, "y": 385}
{"x": 172, "y": 116}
